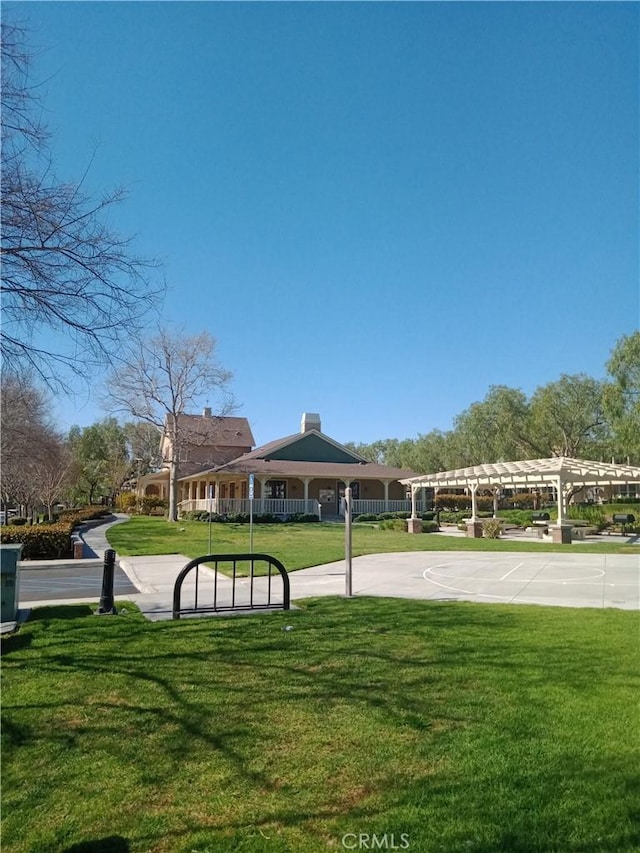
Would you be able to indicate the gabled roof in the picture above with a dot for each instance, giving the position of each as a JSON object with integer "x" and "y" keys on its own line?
{"x": 218, "y": 431}
{"x": 301, "y": 445}
{"x": 532, "y": 472}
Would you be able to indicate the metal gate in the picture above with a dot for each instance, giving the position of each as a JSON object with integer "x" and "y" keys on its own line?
{"x": 218, "y": 592}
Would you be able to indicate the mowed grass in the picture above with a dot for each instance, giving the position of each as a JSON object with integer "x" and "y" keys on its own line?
{"x": 451, "y": 726}
{"x": 299, "y": 546}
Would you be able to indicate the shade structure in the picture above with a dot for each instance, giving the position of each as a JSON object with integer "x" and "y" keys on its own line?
{"x": 563, "y": 473}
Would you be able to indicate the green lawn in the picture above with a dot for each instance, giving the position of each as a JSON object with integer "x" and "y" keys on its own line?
{"x": 453, "y": 726}
{"x": 301, "y": 545}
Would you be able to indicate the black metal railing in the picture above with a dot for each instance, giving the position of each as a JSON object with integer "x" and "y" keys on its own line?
{"x": 232, "y": 592}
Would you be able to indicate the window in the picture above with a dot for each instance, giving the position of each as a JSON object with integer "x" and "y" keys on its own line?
{"x": 223, "y": 490}
{"x": 276, "y": 489}
{"x": 243, "y": 490}
{"x": 232, "y": 490}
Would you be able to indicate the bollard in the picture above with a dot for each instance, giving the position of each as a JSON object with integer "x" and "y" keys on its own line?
{"x": 107, "y": 605}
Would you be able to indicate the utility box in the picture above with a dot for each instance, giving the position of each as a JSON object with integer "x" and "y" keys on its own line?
{"x": 9, "y": 582}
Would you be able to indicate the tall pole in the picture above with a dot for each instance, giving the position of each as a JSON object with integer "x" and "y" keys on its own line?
{"x": 251, "y": 488}
{"x": 210, "y": 508}
{"x": 347, "y": 540}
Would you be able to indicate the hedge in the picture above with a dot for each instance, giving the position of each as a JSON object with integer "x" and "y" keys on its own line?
{"x": 49, "y": 541}
{"x": 40, "y": 542}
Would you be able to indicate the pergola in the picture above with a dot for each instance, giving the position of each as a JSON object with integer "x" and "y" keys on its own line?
{"x": 561, "y": 472}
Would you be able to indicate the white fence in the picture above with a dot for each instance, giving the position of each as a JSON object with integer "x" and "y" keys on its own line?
{"x": 233, "y": 506}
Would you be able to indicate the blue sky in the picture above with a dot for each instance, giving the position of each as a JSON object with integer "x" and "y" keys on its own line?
{"x": 378, "y": 209}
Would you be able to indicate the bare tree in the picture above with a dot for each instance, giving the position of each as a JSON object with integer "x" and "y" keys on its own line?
{"x": 65, "y": 270}
{"x": 33, "y": 457}
{"x": 51, "y": 471}
{"x": 163, "y": 377}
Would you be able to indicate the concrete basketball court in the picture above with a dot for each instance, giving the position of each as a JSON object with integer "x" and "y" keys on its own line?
{"x": 565, "y": 580}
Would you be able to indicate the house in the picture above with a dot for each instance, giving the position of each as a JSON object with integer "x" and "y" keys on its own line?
{"x": 204, "y": 441}
{"x": 306, "y": 472}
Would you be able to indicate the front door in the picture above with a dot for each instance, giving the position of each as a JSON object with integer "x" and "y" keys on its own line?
{"x": 327, "y": 498}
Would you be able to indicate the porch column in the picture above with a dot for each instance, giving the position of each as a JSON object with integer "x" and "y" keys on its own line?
{"x": 305, "y": 490}
{"x": 263, "y": 491}
{"x": 414, "y": 489}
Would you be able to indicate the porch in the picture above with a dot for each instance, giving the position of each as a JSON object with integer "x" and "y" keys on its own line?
{"x": 261, "y": 506}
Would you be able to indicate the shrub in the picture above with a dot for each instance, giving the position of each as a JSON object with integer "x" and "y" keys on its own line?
{"x": 593, "y": 515}
{"x": 492, "y": 528}
{"x": 18, "y": 521}
{"x": 151, "y": 502}
{"x": 430, "y": 527}
{"x": 521, "y": 500}
{"x": 520, "y": 517}
{"x": 89, "y": 513}
{"x": 48, "y": 542}
{"x": 393, "y": 524}
{"x": 366, "y": 516}
{"x": 126, "y": 502}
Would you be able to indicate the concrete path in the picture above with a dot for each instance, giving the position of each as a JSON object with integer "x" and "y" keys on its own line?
{"x": 567, "y": 579}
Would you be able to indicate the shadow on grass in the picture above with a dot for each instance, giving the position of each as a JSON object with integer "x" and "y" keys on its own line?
{"x": 112, "y": 844}
{"x": 15, "y": 642}
{"x": 61, "y": 611}
{"x": 226, "y": 689}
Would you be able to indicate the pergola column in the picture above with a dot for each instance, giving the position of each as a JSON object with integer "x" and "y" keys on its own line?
{"x": 474, "y": 502}
{"x": 474, "y": 527}
{"x": 496, "y": 493}
{"x": 414, "y": 524}
{"x": 561, "y": 506}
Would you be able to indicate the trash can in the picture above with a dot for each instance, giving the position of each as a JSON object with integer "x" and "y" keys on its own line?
{"x": 9, "y": 582}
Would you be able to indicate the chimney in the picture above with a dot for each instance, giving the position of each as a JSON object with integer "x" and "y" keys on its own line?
{"x": 206, "y": 413}
{"x": 310, "y": 420}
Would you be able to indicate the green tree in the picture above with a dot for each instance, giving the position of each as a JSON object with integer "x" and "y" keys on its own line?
{"x": 101, "y": 459}
{"x": 567, "y": 418}
{"x": 496, "y": 429}
{"x": 622, "y": 396}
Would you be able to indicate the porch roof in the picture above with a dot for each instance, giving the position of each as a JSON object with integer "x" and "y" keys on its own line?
{"x": 315, "y": 470}
{"x": 531, "y": 472}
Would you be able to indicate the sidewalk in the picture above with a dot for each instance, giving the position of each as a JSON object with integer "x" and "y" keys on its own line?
{"x": 382, "y": 574}
{"x": 153, "y": 576}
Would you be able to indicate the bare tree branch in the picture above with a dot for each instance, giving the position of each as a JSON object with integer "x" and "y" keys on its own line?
{"x": 64, "y": 269}
{"x": 163, "y": 377}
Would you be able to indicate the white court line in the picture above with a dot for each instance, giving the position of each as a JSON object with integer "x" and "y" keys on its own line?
{"x": 512, "y": 570}
{"x": 588, "y": 580}
{"x": 463, "y": 591}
